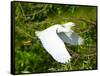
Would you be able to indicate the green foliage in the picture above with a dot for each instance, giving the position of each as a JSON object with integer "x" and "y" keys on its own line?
{"x": 30, "y": 56}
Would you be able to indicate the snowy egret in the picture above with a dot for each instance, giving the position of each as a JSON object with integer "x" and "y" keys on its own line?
{"x": 69, "y": 36}
{"x": 53, "y": 39}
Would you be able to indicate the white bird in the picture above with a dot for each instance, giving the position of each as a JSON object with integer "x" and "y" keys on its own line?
{"x": 70, "y": 36}
{"x": 53, "y": 39}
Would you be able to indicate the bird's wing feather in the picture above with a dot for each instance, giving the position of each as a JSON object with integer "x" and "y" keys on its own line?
{"x": 71, "y": 38}
{"x": 54, "y": 46}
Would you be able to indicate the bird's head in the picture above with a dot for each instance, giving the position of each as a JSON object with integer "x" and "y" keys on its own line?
{"x": 65, "y": 27}
{"x": 68, "y": 25}
{"x": 61, "y": 29}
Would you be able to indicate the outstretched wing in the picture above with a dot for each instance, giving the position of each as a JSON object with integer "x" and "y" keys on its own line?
{"x": 54, "y": 45}
{"x": 71, "y": 38}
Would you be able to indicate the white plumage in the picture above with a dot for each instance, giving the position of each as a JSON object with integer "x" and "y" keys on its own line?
{"x": 70, "y": 36}
{"x": 52, "y": 40}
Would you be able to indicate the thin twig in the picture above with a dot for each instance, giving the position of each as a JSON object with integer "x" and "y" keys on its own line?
{"x": 22, "y": 11}
{"x": 81, "y": 19}
{"x": 77, "y": 56}
{"x": 60, "y": 17}
{"x": 70, "y": 18}
{"x": 24, "y": 32}
{"x": 72, "y": 53}
{"x": 89, "y": 55}
{"x": 38, "y": 12}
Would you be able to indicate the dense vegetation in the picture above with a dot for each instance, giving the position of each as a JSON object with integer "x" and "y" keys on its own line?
{"x": 31, "y": 57}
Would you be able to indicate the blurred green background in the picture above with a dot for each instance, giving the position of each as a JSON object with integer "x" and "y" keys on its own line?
{"x": 31, "y": 57}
